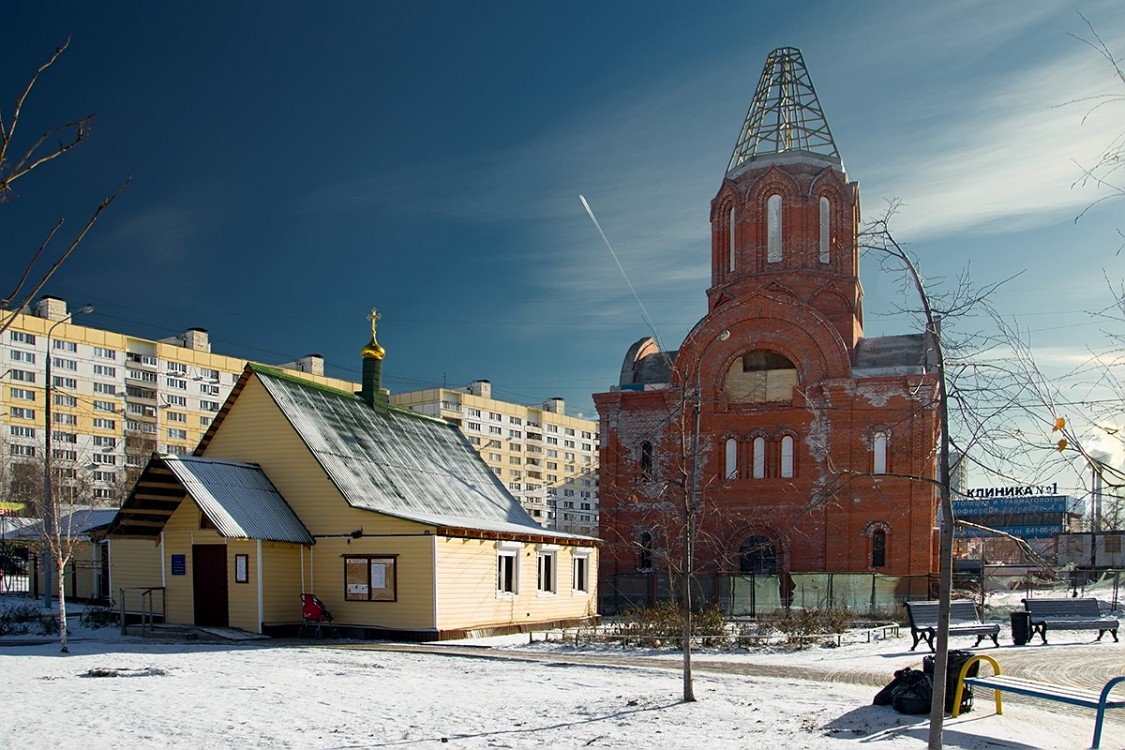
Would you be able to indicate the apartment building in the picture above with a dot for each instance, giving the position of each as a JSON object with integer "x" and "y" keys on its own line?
{"x": 547, "y": 459}
{"x": 114, "y": 400}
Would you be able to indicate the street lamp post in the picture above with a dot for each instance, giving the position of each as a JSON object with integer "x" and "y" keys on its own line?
{"x": 49, "y": 514}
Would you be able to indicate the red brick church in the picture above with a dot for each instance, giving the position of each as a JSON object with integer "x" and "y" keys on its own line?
{"x": 812, "y": 443}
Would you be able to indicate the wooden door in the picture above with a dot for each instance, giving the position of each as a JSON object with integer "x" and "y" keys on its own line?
{"x": 209, "y": 584}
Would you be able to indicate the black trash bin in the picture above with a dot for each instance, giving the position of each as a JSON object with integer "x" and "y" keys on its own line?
{"x": 1021, "y": 627}
{"x": 957, "y": 659}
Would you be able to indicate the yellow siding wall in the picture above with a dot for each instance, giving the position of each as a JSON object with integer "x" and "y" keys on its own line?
{"x": 281, "y": 587}
{"x": 83, "y": 571}
{"x": 242, "y": 598}
{"x": 324, "y": 575}
{"x": 468, "y": 597}
{"x": 134, "y": 564}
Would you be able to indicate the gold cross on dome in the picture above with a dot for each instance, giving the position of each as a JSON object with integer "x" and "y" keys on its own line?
{"x": 374, "y": 318}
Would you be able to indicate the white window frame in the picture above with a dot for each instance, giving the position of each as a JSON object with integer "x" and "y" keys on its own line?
{"x": 547, "y": 569}
{"x": 580, "y": 563}
{"x": 508, "y": 569}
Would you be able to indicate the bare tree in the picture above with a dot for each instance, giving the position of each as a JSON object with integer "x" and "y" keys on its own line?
{"x": 977, "y": 391}
{"x": 15, "y": 164}
{"x": 1105, "y": 173}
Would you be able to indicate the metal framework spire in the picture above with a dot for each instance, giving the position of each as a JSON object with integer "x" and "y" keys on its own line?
{"x": 785, "y": 115}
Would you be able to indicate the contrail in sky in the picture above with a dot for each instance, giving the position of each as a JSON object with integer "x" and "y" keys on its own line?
{"x": 644, "y": 312}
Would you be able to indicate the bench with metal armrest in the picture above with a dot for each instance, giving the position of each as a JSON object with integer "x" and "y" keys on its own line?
{"x": 1099, "y": 701}
{"x": 963, "y": 620}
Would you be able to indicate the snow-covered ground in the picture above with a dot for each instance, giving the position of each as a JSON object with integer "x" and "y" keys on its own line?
{"x": 115, "y": 691}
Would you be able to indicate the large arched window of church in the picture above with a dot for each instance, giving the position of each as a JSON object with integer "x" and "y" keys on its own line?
{"x": 757, "y": 555}
{"x": 759, "y": 458}
{"x": 787, "y": 456}
{"x": 730, "y": 464}
{"x": 730, "y": 241}
{"x": 758, "y": 377}
{"x": 824, "y": 231}
{"x": 773, "y": 229}
{"x": 879, "y": 453}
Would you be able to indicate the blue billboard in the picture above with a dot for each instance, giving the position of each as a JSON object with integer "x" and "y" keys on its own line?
{"x": 997, "y": 506}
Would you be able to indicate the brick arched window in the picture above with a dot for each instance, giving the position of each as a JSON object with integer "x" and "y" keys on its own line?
{"x": 646, "y": 460}
{"x": 730, "y": 459}
{"x": 879, "y": 452}
{"x": 730, "y": 241}
{"x": 644, "y": 551}
{"x": 879, "y": 548}
{"x": 825, "y": 230}
{"x": 773, "y": 229}
{"x": 759, "y": 457}
{"x": 787, "y": 456}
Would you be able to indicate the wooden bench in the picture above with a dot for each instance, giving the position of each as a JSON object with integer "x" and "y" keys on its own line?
{"x": 1068, "y": 614}
{"x": 963, "y": 620}
{"x": 1072, "y": 696}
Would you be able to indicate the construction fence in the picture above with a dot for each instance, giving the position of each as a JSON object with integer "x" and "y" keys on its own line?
{"x": 867, "y": 594}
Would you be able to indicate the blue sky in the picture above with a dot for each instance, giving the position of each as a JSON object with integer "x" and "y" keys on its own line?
{"x": 295, "y": 164}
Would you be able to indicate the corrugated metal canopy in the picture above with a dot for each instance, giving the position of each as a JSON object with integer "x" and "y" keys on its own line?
{"x": 398, "y": 462}
{"x": 76, "y": 525}
{"x": 238, "y": 498}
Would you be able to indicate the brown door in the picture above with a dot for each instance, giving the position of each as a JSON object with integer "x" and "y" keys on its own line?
{"x": 209, "y": 582}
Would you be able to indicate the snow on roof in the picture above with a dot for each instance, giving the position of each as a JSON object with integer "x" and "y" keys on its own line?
{"x": 398, "y": 462}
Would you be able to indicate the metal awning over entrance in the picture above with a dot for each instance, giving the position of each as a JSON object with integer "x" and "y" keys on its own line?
{"x": 237, "y": 498}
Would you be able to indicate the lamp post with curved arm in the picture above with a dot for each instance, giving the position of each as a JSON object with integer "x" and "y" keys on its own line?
{"x": 49, "y": 512}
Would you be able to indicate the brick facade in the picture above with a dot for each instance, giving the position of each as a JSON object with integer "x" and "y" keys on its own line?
{"x": 813, "y": 443}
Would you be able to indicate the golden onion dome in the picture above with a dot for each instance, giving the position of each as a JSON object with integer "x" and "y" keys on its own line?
{"x": 373, "y": 350}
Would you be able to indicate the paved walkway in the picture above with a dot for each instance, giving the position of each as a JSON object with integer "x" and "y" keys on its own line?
{"x": 1076, "y": 661}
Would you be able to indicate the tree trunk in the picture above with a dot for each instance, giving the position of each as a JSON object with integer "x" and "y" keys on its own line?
{"x": 60, "y": 566}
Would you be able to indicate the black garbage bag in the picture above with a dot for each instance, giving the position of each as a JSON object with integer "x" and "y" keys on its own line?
{"x": 902, "y": 676}
{"x": 909, "y": 692}
{"x": 957, "y": 659}
{"x": 914, "y": 695}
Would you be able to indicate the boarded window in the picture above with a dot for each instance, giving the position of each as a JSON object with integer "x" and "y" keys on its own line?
{"x": 759, "y": 377}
